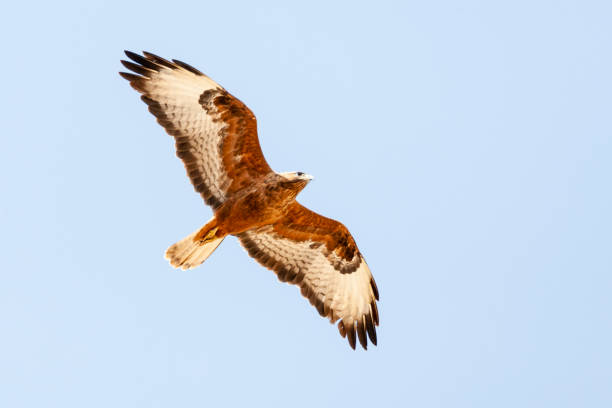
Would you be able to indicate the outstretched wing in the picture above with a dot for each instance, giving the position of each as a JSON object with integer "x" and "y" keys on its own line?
{"x": 216, "y": 134}
{"x": 320, "y": 255}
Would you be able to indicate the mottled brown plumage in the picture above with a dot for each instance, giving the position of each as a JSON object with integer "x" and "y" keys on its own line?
{"x": 216, "y": 138}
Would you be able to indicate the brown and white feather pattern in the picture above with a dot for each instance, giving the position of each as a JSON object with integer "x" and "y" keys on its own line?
{"x": 350, "y": 297}
{"x": 211, "y": 127}
{"x": 216, "y": 138}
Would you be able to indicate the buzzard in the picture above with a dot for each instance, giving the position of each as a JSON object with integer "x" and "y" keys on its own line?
{"x": 216, "y": 138}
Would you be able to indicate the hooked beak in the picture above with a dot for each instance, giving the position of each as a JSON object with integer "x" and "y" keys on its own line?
{"x": 308, "y": 177}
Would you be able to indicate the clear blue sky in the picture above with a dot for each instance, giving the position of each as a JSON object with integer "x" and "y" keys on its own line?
{"x": 466, "y": 145}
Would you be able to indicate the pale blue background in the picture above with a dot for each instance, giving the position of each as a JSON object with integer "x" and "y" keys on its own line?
{"x": 467, "y": 146}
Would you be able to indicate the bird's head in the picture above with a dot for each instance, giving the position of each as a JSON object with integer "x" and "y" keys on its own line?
{"x": 296, "y": 180}
{"x": 297, "y": 176}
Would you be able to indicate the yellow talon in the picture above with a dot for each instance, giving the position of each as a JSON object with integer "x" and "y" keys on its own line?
{"x": 210, "y": 235}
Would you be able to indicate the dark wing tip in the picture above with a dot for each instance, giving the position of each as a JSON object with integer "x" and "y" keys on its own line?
{"x": 130, "y": 77}
{"x": 350, "y": 334}
{"x": 374, "y": 311}
{"x": 341, "y": 329}
{"x": 136, "y": 81}
{"x": 131, "y": 55}
{"x": 371, "y": 329}
{"x": 150, "y": 56}
{"x": 139, "y": 69}
{"x": 142, "y": 60}
{"x": 188, "y": 67}
{"x": 361, "y": 334}
{"x": 360, "y": 331}
{"x": 158, "y": 60}
{"x": 374, "y": 288}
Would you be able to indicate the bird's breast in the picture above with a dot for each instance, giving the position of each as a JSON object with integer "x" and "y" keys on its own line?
{"x": 252, "y": 210}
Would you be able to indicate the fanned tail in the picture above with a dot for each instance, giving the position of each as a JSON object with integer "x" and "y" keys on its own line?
{"x": 191, "y": 252}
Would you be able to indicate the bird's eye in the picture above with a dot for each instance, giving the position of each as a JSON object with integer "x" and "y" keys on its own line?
{"x": 299, "y": 173}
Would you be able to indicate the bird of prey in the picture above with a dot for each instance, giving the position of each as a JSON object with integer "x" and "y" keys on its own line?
{"x": 216, "y": 138}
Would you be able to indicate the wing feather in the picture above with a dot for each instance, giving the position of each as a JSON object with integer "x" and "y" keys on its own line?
{"x": 320, "y": 255}
{"x": 215, "y": 133}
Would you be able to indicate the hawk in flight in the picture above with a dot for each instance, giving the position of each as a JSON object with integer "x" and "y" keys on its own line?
{"x": 216, "y": 138}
